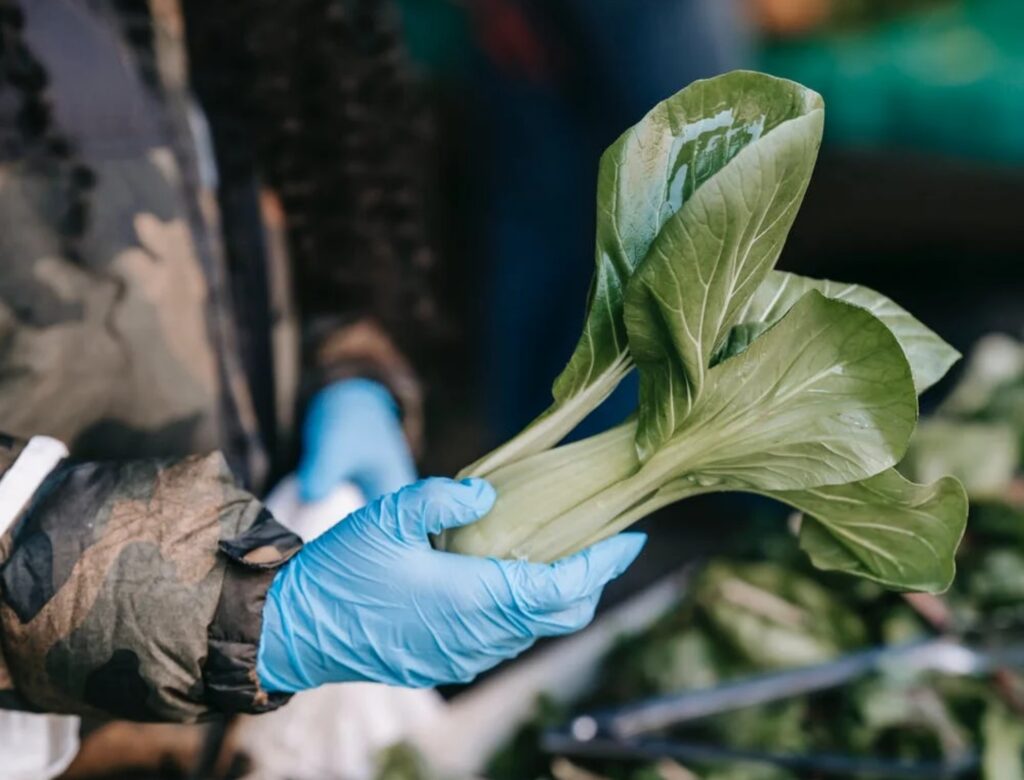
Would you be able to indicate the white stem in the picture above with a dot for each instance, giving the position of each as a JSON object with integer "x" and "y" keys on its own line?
{"x": 554, "y": 424}
{"x": 658, "y": 501}
{"x": 569, "y": 530}
{"x": 536, "y": 491}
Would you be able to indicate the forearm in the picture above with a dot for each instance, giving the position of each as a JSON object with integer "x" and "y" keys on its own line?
{"x": 135, "y": 589}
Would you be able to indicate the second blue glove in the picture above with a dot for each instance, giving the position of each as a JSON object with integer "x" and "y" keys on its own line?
{"x": 352, "y": 432}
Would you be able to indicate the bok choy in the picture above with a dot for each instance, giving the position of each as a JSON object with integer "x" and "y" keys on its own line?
{"x": 751, "y": 379}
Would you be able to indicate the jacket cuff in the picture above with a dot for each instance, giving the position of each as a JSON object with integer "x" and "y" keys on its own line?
{"x": 229, "y": 673}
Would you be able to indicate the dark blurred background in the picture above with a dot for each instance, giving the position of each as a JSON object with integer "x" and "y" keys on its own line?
{"x": 918, "y": 191}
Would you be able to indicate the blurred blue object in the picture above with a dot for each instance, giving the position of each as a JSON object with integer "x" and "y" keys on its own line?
{"x": 352, "y": 433}
{"x": 558, "y": 81}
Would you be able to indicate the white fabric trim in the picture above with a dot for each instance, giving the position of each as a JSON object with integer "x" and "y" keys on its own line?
{"x": 33, "y": 747}
{"x": 36, "y": 747}
{"x": 40, "y": 456}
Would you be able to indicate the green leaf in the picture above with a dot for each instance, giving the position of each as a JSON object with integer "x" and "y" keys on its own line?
{"x": 651, "y": 171}
{"x": 902, "y": 703}
{"x": 997, "y": 576}
{"x": 930, "y": 357}
{"x": 655, "y": 167}
{"x": 705, "y": 265}
{"x": 996, "y": 362}
{"x": 774, "y": 618}
{"x": 824, "y": 397}
{"x": 738, "y": 339}
{"x": 887, "y": 529}
{"x": 983, "y": 456}
{"x": 644, "y": 179}
{"x": 1002, "y": 735}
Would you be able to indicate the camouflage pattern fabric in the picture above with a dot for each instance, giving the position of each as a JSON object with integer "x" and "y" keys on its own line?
{"x": 133, "y": 586}
{"x": 126, "y": 330}
{"x": 135, "y": 589}
{"x": 141, "y": 325}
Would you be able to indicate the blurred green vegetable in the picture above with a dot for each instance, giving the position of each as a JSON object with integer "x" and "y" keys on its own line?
{"x": 743, "y": 618}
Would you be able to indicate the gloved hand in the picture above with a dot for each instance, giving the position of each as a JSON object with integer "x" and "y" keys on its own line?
{"x": 352, "y": 433}
{"x": 371, "y": 600}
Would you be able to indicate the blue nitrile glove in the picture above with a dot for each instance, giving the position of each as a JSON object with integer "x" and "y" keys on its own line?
{"x": 371, "y": 600}
{"x": 352, "y": 433}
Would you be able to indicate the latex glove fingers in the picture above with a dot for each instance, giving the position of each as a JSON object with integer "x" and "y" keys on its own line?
{"x": 435, "y": 505}
{"x": 405, "y": 520}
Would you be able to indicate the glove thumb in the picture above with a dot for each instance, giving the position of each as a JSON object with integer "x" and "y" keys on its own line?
{"x": 561, "y": 585}
{"x": 432, "y": 505}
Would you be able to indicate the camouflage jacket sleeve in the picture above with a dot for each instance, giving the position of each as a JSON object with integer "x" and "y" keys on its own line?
{"x": 135, "y": 590}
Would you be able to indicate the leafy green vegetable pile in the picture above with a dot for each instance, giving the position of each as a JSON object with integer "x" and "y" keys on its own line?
{"x": 744, "y": 618}
{"x": 978, "y": 434}
{"x": 751, "y": 379}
